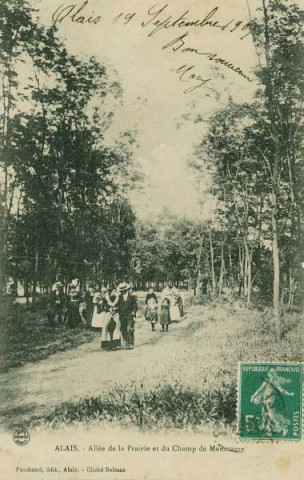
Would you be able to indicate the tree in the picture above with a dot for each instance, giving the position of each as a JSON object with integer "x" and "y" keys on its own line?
{"x": 255, "y": 157}
{"x": 15, "y": 25}
{"x": 279, "y": 40}
{"x": 65, "y": 181}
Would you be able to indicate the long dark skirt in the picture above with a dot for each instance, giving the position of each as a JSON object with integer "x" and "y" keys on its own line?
{"x": 111, "y": 334}
{"x": 73, "y": 315}
{"x": 89, "y": 312}
{"x": 127, "y": 330}
{"x": 151, "y": 316}
{"x": 181, "y": 307}
{"x": 165, "y": 316}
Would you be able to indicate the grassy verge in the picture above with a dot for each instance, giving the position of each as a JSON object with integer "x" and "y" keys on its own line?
{"x": 26, "y": 336}
{"x": 161, "y": 406}
{"x": 193, "y": 382}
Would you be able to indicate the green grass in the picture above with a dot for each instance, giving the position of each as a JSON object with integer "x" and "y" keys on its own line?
{"x": 26, "y": 336}
{"x": 163, "y": 406}
{"x": 198, "y": 386}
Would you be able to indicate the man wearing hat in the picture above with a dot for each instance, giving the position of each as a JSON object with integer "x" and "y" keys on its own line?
{"x": 57, "y": 304}
{"x": 127, "y": 308}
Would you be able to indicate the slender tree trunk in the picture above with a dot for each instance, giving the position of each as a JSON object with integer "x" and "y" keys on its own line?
{"x": 212, "y": 263}
{"x": 276, "y": 275}
{"x": 26, "y": 292}
{"x": 292, "y": 289}
{"x": 35, "y": 280}
{"x": 272, "y": 107}
{"x": 241, "y": 271}
{"x": 232, "y": 279}
{"x": 248, "y": 275}
{"x": 6, "y": 120}
{"x": 198, "y": 278}
{"x": 222, "y": 271}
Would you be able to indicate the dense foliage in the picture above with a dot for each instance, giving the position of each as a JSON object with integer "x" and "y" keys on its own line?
{"x": 64, "y": 207}
{"x": 256, "y": 156}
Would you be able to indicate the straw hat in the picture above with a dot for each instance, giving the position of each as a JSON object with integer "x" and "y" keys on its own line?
{"x": 123, "y": 287}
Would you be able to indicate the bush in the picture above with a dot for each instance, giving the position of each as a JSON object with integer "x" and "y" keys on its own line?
{"x": 198, "y": 300}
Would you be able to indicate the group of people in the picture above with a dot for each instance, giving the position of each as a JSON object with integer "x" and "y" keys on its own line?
{"x": 109, "y": 309}
{"x": 112, "y": 310}
{"x": 171, "y": 308}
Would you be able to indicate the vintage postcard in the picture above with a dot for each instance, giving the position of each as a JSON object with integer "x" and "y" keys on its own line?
{"x": 151, "y": 239}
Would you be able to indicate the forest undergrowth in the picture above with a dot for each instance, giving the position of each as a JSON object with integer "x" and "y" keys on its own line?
{"x": 27, "y": 336}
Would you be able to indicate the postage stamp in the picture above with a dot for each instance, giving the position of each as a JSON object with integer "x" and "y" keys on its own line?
{"x": 270, "y": 401}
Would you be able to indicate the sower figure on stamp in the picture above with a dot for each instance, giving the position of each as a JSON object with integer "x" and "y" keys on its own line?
{"x": 272, "y": 420}
{"x": 127, "y": 308}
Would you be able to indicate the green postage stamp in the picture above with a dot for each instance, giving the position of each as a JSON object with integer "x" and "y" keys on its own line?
{"x": 270, "y": 401}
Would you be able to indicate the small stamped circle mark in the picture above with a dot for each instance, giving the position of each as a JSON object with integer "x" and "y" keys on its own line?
{"x": 21, "y": 436}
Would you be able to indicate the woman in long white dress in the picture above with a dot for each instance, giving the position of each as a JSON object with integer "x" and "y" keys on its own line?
{"x": 111, "y": 334}
{"x": 174, "y": 307}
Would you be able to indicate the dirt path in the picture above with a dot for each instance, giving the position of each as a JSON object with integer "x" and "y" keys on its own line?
{"x": 36, "y": 388}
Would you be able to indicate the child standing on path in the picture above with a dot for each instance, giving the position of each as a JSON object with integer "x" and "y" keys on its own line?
{"x": 165, "y": 319}
{"x": 151, "y": 313}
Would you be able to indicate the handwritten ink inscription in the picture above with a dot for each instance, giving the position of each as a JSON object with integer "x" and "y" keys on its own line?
{"x": 187, "y": 74}
{"x": 184, "y": 22}
{"x": 158, "y": 19}
{"x": 75, "y": 14}
{"x": 179, "y": 44}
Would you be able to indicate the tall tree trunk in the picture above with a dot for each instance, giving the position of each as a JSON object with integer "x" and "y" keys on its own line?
{"x": 245, "y": 274}
{"x": 276, "y": 266}
{"x": 248, "y": 275}
{"x": 272, "y": 107}
{"x": 35, "y": 279}
{"x": 3, "y": 236}
{"x": 231, "y": 279}
{"x": 241, "y": 270}
{"x": 212, "y": 263}
{"x": 222, "y": 271}
{"x": 199, "y": 257}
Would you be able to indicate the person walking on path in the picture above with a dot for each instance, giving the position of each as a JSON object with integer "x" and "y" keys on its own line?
{"x": 180, "y": 303}
{"x": 57, "y": 305}
{"x": 174, "y": 307}
{"x": 127, "y": 308}
{"x": 73, "y": 315}
{"x": 111, "y": 334}
{"x": 151, "y": 313}
{"x": 151, "y": 294}
{"x": 88, "y": 301}
{"x": 98, "y": 311}
{"x": 165, "y": 319}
